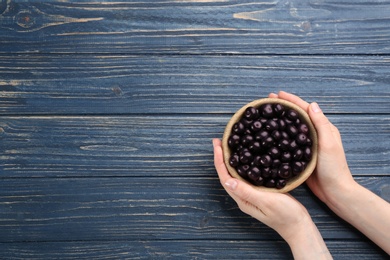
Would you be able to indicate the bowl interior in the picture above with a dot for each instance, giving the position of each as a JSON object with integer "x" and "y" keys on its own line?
{"x": 293, "y": 182}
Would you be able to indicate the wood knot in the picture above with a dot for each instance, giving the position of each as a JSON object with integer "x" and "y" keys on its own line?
{"x": 117, "y": 91}
{"x": 25, "y": 19}
{"x": 306, "y": 26}
{"x": 204, "y": 222}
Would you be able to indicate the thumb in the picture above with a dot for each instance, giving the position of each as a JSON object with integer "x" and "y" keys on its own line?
{"x": 249, "y": 200}
{"x": 321, "y": 123}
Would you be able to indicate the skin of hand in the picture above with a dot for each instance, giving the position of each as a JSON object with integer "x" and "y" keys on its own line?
{"x": 332, "y": 174}
{"x": 279, "y": 211}
{"x": 332, "y": 181}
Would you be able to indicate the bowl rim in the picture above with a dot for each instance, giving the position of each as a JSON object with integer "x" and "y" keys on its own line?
{"x": 293, "y": 182}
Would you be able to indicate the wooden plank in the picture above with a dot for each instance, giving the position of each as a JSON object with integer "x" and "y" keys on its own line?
{"x": 166, "y": 208}
{"x": 90, "y": 84}
{"x": 179, "y": 249}
{"x": 154, "y": 145}
{"x": 195, "y": 27}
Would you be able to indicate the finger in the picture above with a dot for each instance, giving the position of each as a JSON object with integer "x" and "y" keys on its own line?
{"x": 273, "y": 95}
{"x": 240, "y": 189}
{"x": 336, "y": 133}
{"x": 293, "y": 99}
{"x": 249, "y": 200}
{"x": 321, "y": 123}
{"x": 219, "y": 164}
{"x": 227, "y": 181}
{"x": 242, "y": 193}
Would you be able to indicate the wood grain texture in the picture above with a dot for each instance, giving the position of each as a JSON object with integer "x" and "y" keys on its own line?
{"x": 138, "y": 209}
{"x": 180, "y": 249}
{"x": 107, "y": 111}
{"x": 195, "y": 27}
{"x": 90, "y": 84}
{"x": 154, "y": 145}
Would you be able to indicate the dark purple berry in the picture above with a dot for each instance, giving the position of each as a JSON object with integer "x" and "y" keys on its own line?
{"x": 276, "y": 135}
{"x": 256, "y": 160}
{"x": 254, "y": 173}
{"x": 307, "y": 154}
{"x": 246, "y": 140}
{"x": 255, "y": 147}
{"x": 266, "y": 172}
{"x": 238, "y": 128}
{"x": 279, "y": 110}
{"x": 284, "y": 135}
{"x": 248, "y": 131}
{"x": 256, "y": 126}
{"x": 276, "y": 163}
{"x": 263, "y": 120}
{"x": 285, "y": 157}
{"x": 270, "y": 183}
{"x": 284, "y": 171}
{"x": 267, "y": 142}
{"x": 246, "y": 157}
{"x": 234, "y": 141}
{"x": 282, "y": 124}
{"x": 262, "y": 134}
{"x": 234, "y": 160}
{"x": 292, "y": 130}
{"x": 243, "y": 150}
{"x": 251, "y": 113}
{"x": 293, "y": 145}
{"x": 266, "y": 160}
{"x": 297, "y": 168}
{"x": 274, "y": 152}
{"x": 246, "y": 122}
{"x": 292, "y": 115}
{"x": 267, "y": 111}
{"x": 259, "y": 181}
{"x": 301, "y": 139}
{"x": 271, "y": 125}
{"x": 304, "y": 164}
{"x": 281, "y": 184}
{"x": 284, "y": 145}
{"x": 242, "y": 170}
{"x": 288, "y": 122}
{"x": 303, "y": 128}
{"x": 274, "y": 173}
{"x": 309, "y": 142}
{"x": 297, "y": 155}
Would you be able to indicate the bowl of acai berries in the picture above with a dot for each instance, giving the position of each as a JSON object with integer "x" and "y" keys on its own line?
{"x": 271, "y": 144}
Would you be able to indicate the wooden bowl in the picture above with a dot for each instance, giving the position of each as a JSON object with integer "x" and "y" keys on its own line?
{"x": 293, "y": 182}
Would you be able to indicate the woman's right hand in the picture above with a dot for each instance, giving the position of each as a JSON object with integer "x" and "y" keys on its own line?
{"x": 332, "y": 175}
{"x": 332, "y": 181}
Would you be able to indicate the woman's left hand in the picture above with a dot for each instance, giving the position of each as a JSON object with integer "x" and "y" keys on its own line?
{"x": 281, "y": 212}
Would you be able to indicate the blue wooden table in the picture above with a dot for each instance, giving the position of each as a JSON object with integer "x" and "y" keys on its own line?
{"x": 108, "y": 109}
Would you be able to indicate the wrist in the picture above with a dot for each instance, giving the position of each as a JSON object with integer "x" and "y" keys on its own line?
{"x": 343, "y": 195}
{"x": 306, "y": 242}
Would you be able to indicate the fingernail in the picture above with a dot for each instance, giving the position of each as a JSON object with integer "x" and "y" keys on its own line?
{"x": 213, "y": 143}
{"x": 231, "y": 184}
{"x": 315, "y": 107}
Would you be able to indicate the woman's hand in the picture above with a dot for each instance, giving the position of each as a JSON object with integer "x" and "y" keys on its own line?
{"x": 332, "y": 175}
{"x": 333, "y": 183}
{"x": 281, "y": 212}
